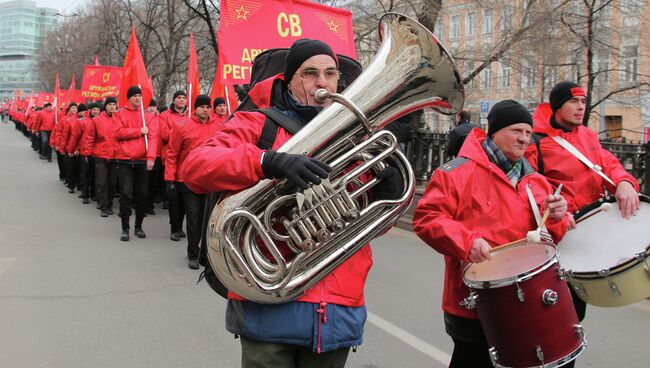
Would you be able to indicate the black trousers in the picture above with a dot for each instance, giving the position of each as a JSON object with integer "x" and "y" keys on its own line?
{"x": 194, "y": 209}
{"x": 156, "y": 182}
{"x": 87, "y": 176}
{"x": 36, "y": 141}
{"x": 105, "y": 182}
{"x": 176, "y": 211}
{"x": 46, "y": 150}
{"x": 60, "y": 161}
{"x": 72, "y": 171}
{"x": 134, "y": 186}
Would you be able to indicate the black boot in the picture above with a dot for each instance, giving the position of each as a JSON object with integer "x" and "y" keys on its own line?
{"x": 138, "y": 228}
{"x": 125, "y": 229}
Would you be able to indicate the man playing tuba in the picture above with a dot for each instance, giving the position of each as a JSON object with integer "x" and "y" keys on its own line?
{"x": 317, "y": 329}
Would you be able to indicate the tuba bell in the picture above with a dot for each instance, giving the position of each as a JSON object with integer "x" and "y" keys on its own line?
{"x": 270, "y": 243}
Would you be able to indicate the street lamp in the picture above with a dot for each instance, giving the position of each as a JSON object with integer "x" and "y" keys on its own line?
{"x": 66, "y": 16}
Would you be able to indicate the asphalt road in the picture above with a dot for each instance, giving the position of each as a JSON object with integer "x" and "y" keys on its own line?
{"x": 73, "y": 295}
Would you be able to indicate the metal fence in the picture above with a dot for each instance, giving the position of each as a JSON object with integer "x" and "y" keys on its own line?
{"x": 427, "y": 150}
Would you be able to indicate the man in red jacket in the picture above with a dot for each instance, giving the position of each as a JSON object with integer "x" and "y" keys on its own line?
{"x": 289, "y": 334}
{"x": 184, "y": 138}
{"x": 476, "y": 202}
{"x": 220, "y": 113}
{"x": 68, "y": 144}
{"x": 176, "y": 114}
{"x": 100, "y": 140}
{"x": 137, "y": 143}
{"x": 86, "y": 160}
{"x": 46, "y": 124}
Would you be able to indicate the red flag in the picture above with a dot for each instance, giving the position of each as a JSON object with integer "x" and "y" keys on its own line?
{"x": 249, "y": 27}
{"x": 225, "y": 91}
{"x": 72, "y": 92}
{"x": 134, "y": 72}
{"x": 57, "y": 92}
{"x": 192, "y": 76}
{"x": 96, "y": 61}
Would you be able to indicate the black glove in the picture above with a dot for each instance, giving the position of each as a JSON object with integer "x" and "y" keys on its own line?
{"x": 391, "y": 185}
{"x": 170, "y": 187}
{"x": 299, "y": 169}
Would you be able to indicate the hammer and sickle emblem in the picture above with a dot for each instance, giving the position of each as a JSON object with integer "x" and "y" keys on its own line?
{"x": 106, "y": 77}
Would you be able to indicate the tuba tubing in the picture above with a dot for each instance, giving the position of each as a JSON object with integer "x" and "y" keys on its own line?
{"x": 326, "y": 224}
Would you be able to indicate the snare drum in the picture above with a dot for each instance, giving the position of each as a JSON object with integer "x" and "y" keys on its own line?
{"x": 605, "y": 257}
{"x": 525, "y": 307}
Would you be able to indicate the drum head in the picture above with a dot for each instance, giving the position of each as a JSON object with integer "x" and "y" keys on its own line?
{"x": 603, "y": 239}
{"x": 510, "y": 263}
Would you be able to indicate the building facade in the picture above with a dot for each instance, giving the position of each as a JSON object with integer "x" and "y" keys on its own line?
{"x": 22, "y": 25}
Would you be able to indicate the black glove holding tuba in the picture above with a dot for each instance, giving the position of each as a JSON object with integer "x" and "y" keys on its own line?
{"x": 299, "y": 169}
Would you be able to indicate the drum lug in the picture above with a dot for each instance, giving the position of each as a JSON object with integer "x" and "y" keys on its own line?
{"x": 612, "y": 285}
{"x": 580, "y": 290}
{"x": 470, "y": 301}
{"x": 494, "y": 356}
{"x": 561, "y": 272}
{"x": 641, "y": 257}
{"x": 550, "y": 297}
{"x": 580, "y": 331}
{"x": 540, "y": 355}
{"x": 520, "y": 293}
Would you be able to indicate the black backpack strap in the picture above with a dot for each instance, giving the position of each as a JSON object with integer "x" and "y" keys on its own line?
{"x": 274, "y": 119}
{"x": 537, "y": 137}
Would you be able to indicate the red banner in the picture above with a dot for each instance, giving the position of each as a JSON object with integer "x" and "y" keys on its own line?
{"x": 100, "y": 82}
{"x": 248, "y": 27}
{"x": 43, "y": 98}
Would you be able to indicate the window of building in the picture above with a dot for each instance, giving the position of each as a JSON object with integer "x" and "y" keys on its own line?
{"x": 506, "y": 18}
{"x": 630, "y": 63}
{"x": 528, "y": 74}
{"x": 550, "y": 76}
{"x": 486, "y": 78}
{"x": 440, "y": 28}
{"x": 505, "y": 75}
{"x": 454, "y": 27}
{"x": 602, "y": 66}
{"x": 488, "y": 22}
{"x": 470, "y": 24}
{"x": 613, "y": 125}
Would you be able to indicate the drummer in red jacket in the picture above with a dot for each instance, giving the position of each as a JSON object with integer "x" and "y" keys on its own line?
{"x": 478, "y": 201}
{"x": 134, "y": 159}
{"x": 184, "y": 138}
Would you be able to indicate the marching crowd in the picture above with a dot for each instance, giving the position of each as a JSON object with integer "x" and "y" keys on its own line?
{"x": 103, "y": 151}
{"x": 472, "y": 204}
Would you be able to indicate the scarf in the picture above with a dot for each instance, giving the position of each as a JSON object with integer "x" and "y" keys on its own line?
{"x": 494, "y": 153}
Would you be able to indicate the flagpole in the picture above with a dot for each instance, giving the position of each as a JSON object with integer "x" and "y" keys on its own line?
{"x": 146, "y": 136}
{"x": 189, "y": 105}
{"x": 227, "y": 100}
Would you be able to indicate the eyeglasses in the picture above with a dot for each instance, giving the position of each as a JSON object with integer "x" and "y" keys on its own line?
{"x": 313, "y": 74}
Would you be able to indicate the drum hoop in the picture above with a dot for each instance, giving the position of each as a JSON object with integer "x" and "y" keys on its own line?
{"x": 560, "y": 362}
{"x": 613, "y": 271}
{"x": 524, "y": 276}
{"x": 579, "y": 214}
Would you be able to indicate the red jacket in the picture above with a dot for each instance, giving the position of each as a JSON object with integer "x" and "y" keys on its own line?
{"x": 82, "y": 146}
{"x": 474, "y": 199}
{"x": 63, "y": 132}
{"x": 184, "y": 138}
{"x": 46, "y": 120}
{"x": 130, "y": 141}
{"x": 166, "y": 121}
{"x": 581, "y": 184}
{"x": 72, "y": 132}
{"x": 56, "y": 134}
{"x": 99, "y": 136}
{"x": 230, "y": 161}
{"x": 31, "y": 120}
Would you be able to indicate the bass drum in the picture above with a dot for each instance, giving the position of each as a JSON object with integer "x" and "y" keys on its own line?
{"x": 605, "y": 258}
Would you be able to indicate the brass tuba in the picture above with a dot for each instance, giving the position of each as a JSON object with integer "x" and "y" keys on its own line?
{"x": 269, "y": 243}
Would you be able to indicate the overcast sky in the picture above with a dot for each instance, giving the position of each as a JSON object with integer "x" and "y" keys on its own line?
{"x": 64, "y": 6}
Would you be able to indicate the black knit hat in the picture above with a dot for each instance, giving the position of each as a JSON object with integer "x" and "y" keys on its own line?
{"x": 218, "y": 101}
{"x": 133, "y": 90}
{"x": 563, "y": 92}
{"x": 153, "y": 103}
{"x": 179, "y": 93}
{"x": 47, "y": 104}
{"x": 202, "y": 100}
{"x": 302, "y": 50}
{"x": 81, "y": 107}
{"x": 94, "y": 105}
{"x": 109, "y": 100}
{"x": 505, "y": 113}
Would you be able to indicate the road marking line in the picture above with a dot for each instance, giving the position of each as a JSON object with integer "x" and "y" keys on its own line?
{"x": 5, "y": 262}
{"x": 409, "y": 339}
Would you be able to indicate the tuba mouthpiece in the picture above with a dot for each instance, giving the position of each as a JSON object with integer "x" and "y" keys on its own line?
{"x": 321, "y": 95}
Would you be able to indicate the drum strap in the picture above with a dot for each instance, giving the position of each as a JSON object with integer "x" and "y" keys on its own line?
{"x": 533, "y": 205}
{"x": 574, "y": 151}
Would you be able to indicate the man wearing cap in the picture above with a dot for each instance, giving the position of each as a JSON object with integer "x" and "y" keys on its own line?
{"x": 184, "y": 138}
{"x": 175, "y": 115}
{"x": 318, "y": 328}
{"x": 99, "y": 138}
{"x": 478, "y": 201}
{"x": 156, "y": 174}
{"x": 69, "y": 140}
{"x": 137, "y": 143}
{"x": 220, "y": 113}
{"x": 563, "y": 116}
{"x": 45, "y": 123}
{"x": 86, "y": 160}
{"x": 57, "y": 140}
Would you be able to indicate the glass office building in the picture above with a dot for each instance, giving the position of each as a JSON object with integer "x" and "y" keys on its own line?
{"x": 22, "y": 25}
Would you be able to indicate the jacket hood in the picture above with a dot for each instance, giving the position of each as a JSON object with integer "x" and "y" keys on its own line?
{"x": 542, "y": 120}
{"x": 473, "y": 148}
